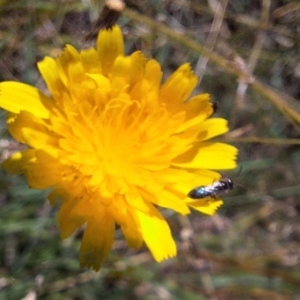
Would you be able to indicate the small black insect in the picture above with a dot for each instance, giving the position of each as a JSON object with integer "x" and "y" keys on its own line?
{"x": 107, "y": 18}
{"x": 212, "y": 190}
{"x": 214, "y": 106}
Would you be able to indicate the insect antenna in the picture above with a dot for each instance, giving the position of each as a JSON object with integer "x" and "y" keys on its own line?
{"x": 242, "y": 186}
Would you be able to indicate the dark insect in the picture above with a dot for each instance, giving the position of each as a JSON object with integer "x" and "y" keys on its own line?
{"x": 212, "y": 190}
{"x": 214, "y": 107}
{"x": 107, "y": 18}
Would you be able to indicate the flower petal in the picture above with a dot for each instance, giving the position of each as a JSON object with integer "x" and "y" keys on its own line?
{"x": 126, "y": 217}
{"x": 166, "y": 199}
{"x": 90, "y": 61}
{"x": 153, "y": 73}
{"x": 198, "y": 109}
{"x": 39, "y": 139}
{"x": 73, "y": 213}
{"x": 156, "y": 234}
{"x": 43, "y": 172}
{"x": 17, "y": 163}
{"x": 49, "y": 71}
{"x": 17, "y": 96}
{"x": 97, "y": 241}
{"x": 206, "y": 206}
{"x": 209, "y": 156}
{"x": 178, "y": 86}
{"x": 211, "y": 128}
{"x": 110, "y": 45}
{"x": 130, "y": 68}
{"x": 66, "y": 59}
{"x": 17, "y": 122}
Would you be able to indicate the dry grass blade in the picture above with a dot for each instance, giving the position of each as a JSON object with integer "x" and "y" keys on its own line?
{"x": 270, "y": 94}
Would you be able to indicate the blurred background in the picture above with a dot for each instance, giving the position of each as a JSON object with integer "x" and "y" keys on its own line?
{"x": 247, "y": 54}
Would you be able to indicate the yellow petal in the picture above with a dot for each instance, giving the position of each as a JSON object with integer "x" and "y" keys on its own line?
{"x": 166, "y": 199}
{"x": 178, "y": 86}
{"x": 90, "y": 61}
{"x": 198, "y": 105}
{"x": 132, "y": 234}
{"x": 68, "y": 57}
{"x": 76, "y": 74}
{"x": 110, "y": 45}
{"x": 206, "y": 206}
{"x": 49, "y": 72}
{"x": 97, "y": 241}
{"x": 212, "y": 128}
{"x": 126, "y": 217}
{"x": 206, "y": 128}
{"x": 18, "y": 162}
{"x": 17, "y": 96}
{"x": 39, "y": 139}
{"x": 156, "y": 234}
{"x": 153, "y": 73}
{"x": 73, "y": 213}
{"x": 137, "y": 71}
{"x": 43, "y": 172}
{"x": 209, "y": 156}
{"x": 131, "y": 68}
{"x": 17, "y": 122}
{"x": 135, "y": 200}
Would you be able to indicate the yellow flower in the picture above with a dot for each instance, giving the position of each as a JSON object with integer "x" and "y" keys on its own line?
{"x": 114, "y": 144}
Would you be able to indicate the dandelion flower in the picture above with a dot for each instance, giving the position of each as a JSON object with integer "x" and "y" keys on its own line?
{"x": 115, "y": 144}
